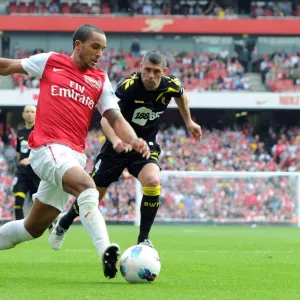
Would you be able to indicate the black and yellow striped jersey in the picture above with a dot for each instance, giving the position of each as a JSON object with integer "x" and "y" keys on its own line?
{"x": 143, "y": 109}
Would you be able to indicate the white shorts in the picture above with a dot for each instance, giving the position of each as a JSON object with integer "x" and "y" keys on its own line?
{"x": 50, "y": 163}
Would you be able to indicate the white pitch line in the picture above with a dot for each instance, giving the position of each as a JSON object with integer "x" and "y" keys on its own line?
{"x": 226, "y": 251}
{"x": 174, "y": 251}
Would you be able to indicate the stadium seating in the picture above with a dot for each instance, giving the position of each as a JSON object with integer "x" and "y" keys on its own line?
{"x": 278, "y": 9}
{"x": 139, "y": 7}
{"x": 280, "y": 71}
{"x": 221, "y": 150}
{"x": 199, "y": 73}
{"x": 160, "y": 7}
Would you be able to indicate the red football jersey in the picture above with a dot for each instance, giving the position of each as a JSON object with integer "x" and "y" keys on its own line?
{"x": 68, "y": 96}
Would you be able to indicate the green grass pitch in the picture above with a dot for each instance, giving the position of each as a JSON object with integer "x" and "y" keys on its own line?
{"x": 198, "y": 262}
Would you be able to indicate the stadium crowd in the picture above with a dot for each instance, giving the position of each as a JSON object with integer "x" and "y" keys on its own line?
{"x": 220, "y": 9}
{"x": 210, "y": 199}
{"x": 138, "y": 7}
{"x": 197, "y": 71}
{"x": 274, "y": 9}
{"x": 281, "y": 71}
{"x": 223, "y": 71}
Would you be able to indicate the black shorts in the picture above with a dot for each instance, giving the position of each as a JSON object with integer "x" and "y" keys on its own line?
{"x": 109, "y": 166}
{"x": 26, "y": 181}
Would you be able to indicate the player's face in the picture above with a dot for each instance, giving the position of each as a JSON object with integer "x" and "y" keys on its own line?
{"x": 29, "y": 114}
{"x": 91, "y": 50}
{"x": 151, "y": 74}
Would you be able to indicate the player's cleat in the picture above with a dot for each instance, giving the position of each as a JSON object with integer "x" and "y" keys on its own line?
{"x": 110, "y": 259}
{"x": 57, "y": 237}
{"x": 147, "y": 242}
{"x": 50, "y": 228}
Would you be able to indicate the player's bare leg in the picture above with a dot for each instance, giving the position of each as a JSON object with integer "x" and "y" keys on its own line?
{"x": 78, "y": 183}
{"x": 57, "y": 235}
{"x": 40, "y": 217}
{"x": 38, "y": 220}
{"x": 149, "y": 178}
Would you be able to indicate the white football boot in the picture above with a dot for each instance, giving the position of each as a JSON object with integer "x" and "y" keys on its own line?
{"x": 57, "y": 237}
{"x": 147, "y": 242}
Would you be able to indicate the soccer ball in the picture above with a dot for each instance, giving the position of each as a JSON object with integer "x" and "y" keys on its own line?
{"x": 140, "y": 264}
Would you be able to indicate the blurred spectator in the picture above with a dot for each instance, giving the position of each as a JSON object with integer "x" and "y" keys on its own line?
{"x": 53, "y": 8}
{"x": 37, "y": 51}
{"x": 224, "y": 54}
{"x": 78, "y": 8}
{"x": 135, "y": 48}
{"x": 147, "y": 8}
{"x": 210, "y": 7}
{"x": 10, "y": 155}
{"x": 95, "y": 9}
{"x": 165, "y": 7}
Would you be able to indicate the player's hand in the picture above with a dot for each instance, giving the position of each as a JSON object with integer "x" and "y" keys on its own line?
{"x": 141, "y": 146}
{"x": 195, "y": 130}
{"x": 24, "y": 162}
{"x": 119, "y": 146}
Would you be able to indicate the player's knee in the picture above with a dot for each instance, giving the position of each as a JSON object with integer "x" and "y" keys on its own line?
{"x": 152, "y": 181}
{"x": 76, "y": 180}
{"x": 89, "y": 197}
{"x": 151, "y": 186}
{"x": 85, "y": 184}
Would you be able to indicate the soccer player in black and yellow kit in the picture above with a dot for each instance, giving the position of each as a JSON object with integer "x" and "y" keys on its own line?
{"x": 25, "y": 179}
{"x": 144, "y": 97}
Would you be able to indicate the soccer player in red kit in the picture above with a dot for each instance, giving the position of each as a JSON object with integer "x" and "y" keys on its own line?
{"x": 70, "y": 89}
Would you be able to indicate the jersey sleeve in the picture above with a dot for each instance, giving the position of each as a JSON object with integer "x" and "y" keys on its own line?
{"x": 176, "y": 86}
{"x": 123, "y": 90}
{"x": 108, "y": 99}
{"x": 35, "y": 64}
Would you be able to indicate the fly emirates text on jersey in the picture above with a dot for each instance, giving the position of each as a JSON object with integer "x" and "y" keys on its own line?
{"x": 75, "y": 92}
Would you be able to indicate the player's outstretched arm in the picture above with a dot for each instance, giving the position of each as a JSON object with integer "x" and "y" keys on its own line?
{"x": 124, "y": 131}
{"x": 118, "y": 145}
{"x": 11, "y": 66}
{"x": 115, "y": 126}
{"x": 184, "y": 109}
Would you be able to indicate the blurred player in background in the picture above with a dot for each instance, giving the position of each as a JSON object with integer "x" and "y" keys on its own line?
{"x": 25, "y": 180}
{"x": 71, "y": 87}
{"x": 144, "y": 97}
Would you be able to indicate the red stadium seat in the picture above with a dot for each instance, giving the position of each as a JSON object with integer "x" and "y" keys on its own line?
{"x": 86, "y": 9}
{"x": 12, "y": 8}
{"x": 281, "y": 85}
{"x": 43, "y": 7}
{"x": 65, "y": 8}
{"x": 32, "y": 8}
{"x": 23, "y": 8}
{"x": 297, "y": 88}
{"x": 105, "y": 9}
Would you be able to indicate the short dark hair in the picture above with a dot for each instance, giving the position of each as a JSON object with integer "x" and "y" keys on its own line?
{"x": 83, "y": 33}
{"x": 155, "y": 57}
